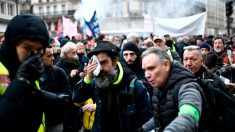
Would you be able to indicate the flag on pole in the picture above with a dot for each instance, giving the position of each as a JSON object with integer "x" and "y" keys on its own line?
{"x": 93, "y": 25}
{"x": 86, "y": 30}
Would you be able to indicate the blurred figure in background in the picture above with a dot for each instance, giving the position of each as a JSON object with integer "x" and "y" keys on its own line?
{"x": 170, "y": 43}
{"x": 205, "y": 48}
{"x": 69, "y": 62}
{"x": 161, "y": 42}
{"x": 54, "y": 80}
{"x": 82, "y": 56}
{"x": 1, "y": 39}
{"x": 117, "y": 41}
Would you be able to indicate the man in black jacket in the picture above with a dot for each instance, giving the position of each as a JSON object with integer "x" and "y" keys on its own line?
{"x": 21, "y": 100}
{"x": 131, "y": 56}
{"x": 122, "y": 102}
{"x": 161, "y": 42}
{"x": 54, "y": 80}
{"x": 217, "y": 95}
{"x": 192, "y": 60}
{"x": 177, "y": 100}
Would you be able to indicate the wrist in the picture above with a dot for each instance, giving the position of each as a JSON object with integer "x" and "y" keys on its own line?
{"x": 87, "y": 80}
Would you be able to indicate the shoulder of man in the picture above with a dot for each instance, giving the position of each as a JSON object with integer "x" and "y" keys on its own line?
{"x": 58, "y": 73}
{"x": 186, "y": 82}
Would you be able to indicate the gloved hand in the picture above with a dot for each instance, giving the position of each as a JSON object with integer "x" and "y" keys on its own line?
{"x": 31, "y": 68}
{"x": 66, "y": 99}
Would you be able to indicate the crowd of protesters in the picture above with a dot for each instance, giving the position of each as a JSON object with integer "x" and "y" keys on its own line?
{"x": 136, "y": 83}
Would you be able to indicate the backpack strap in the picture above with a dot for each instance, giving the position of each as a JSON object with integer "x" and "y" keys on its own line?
{"x": 127, "y": 93}
{"x": 132, "y": 86}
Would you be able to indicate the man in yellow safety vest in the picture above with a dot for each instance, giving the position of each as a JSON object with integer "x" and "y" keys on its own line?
{"x": 21, "y": 100}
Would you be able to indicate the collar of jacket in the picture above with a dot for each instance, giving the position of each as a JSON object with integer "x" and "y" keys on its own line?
{"x": 120, "y": 75}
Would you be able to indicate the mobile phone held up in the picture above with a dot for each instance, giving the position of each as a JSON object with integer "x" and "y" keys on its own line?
{"x": 97, "y": 69}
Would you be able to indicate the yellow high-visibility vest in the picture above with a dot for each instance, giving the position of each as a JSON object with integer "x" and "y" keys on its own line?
{"x": 4, "y": 83}
{"x": 170, "y": 54}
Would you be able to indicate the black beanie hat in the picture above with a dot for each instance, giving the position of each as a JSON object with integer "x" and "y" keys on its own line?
{"x": 104, "y": 46}
{"x": 26, "y": 26}
{"x": 132, "y": 47}
{"x": 205, "y": 45}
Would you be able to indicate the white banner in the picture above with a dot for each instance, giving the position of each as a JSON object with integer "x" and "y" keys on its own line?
{"x": 192, "y": 25}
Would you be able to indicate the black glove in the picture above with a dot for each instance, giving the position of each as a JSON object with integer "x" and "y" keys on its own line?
{"x": 65, "y": 99}
{"x": 31, "y": 68}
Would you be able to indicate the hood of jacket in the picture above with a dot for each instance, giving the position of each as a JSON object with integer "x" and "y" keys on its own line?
{"x": 128, "y": 74}
{"x": 177, "y": 73}
{"x": 26, "y": 26}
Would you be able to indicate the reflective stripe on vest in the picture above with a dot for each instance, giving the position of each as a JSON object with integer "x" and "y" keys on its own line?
{"x": 4, "y": 78}
{"x": 173, "y": 46}
{"x": 169, "y": 54}
{"x": 42, "y": 127}
{"x": 4, "y": 83}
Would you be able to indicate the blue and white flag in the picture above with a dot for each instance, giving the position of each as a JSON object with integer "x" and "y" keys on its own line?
{"x": 93, "y": 24}
{"x": 86, "y": 29}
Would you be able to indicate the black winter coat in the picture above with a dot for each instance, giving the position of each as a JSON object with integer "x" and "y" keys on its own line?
{"x": 167, "y": 101}
{"x": 22, "y": 104}
{"x": 67, "y": 66}
{"x": 54, "y": 80}
{"x": 116, "y": 111}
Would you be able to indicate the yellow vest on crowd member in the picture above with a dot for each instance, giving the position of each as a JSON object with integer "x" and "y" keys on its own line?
{"x": 88, "y": 117}
{"x": 170, "y": 54}
{"x": 174, "y": 46}
{"x": 5, "y": 82}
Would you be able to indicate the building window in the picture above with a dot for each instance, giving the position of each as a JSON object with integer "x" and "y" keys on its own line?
{"x": 55, "y": 9}
{"x": 11, "y": 9}
{"x": 48, "y": 0}
{"x": 48, "y": 10}
{"x": 63, "y": 8}
{"x": 39, "y": 1}
{"x": 2, "y": 7}
{"x": 40, "y": 11}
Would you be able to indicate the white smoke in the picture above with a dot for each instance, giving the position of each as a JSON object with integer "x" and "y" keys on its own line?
{"x": 87, "y": 8}
{"x": 154, "y": 8}
{"x": 173, "y": 8}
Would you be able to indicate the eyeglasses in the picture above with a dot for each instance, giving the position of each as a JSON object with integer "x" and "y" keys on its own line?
{"x": 192, "y": 47}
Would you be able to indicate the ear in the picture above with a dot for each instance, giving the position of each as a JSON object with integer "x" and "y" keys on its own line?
{"x": 167, "y": 65}
{"x": 115, "y": 60}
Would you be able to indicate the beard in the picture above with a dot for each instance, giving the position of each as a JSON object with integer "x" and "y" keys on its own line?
{"x": 217, "y": 50}
{"x": 105, "y": 80}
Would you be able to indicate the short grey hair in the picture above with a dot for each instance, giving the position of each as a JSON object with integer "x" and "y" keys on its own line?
{"x": 66, "y": 48}
{"x": 159, "y": 52}
{"x": 193, "y": 48}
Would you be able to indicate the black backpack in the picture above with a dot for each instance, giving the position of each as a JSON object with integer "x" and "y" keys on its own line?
{"x": 222, "y": 105}
{"x": 218, "y": 108}
{"x": 205, "y": 123}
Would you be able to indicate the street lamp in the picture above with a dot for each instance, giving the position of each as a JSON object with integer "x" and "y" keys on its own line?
{"x": 229, "y": 12}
